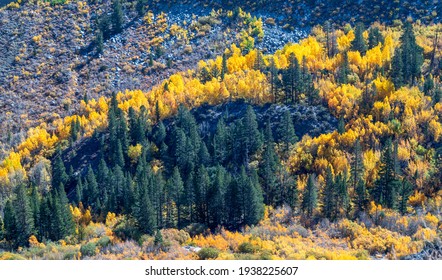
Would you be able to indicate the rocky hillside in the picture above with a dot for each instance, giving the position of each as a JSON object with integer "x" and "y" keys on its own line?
{"x": 50, "y": 60}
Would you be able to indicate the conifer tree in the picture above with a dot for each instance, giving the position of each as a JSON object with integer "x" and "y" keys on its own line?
{"x": 412, "y": 54}
{"x": 259, "y": 61}
{"x": 253, "y": 139}
{"x": 203, "y": 154}
{"x": 189, "y": 209}
{"x": 35, "y": 208}
{"x": 310, "y": 196}
{"x": 202, "y": 185}
{"x": 99, "y": 42}
{"x": 158, "y": 238}
{"x": 374, "y": 37}
{"x": 92, "y": 192}
{"x": 343, "y": 200}
{"x": 341, "y": 125}
{"x": 158, "y": 197}
{"x": 361, "y": 196}
{"x": 175, "y": 188}
{"x": 292, "y": 79}
{"x": 10, "y": 224}
{"x": 428, "y": 85}
{"x": 224, "y": 69}
{"x": 119, "y": 155}
{"x": 344, "y": 70}
{"x": 249, "y": 199}
{"x": 24, "y": 219}
{"x": 79, "y": 191}
{"x": 59, "y": 175}
{"x": 215, "y": 198}
{"x": 117, "y": 17}
{"x": 329, "y": 196}
{"x": 128, "y": 194}
{"x": 397, "y": 66}
{"x": 268, "y": 168}
{"x": 286, "y": 131}
{"x": 357, "y": 165}
{"x": 359, "y": 43}
{"x": 119, "y": 184}
{"x": 159, "y": 134}
{"x": 292, "y": 195}
{"x": 386, "y": 188}
{"x": 144, "y": 212}
{"x": 273, "y": 76}
{"x": 46, "y": 216}
{"x": 220, "y": 142}
{"x": 405, "y": 190}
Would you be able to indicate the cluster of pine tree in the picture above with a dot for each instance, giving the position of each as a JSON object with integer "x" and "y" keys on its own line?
{"x": 109, "y": 24}
{"x": 44, "y": 215}
{"x": 179, "y": 176}
{"x": 183, "y": 176}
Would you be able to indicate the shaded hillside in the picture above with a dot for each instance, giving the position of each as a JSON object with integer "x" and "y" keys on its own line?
{"x": 307, "y": 120}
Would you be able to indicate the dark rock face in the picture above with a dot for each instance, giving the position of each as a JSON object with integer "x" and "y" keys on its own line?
{"x": 311, "y": 120}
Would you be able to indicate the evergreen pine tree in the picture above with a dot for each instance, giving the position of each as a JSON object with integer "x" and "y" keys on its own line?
{"x": 292, "y": 79}
{"x": 251, "y": 199}
{"x": 374, "y": 37}
{"x": 143, "y": 211}
{"x": 119, "y": 155}
{"x": 310, "y": 196}
{"x": 341, "y": 125}
{"x": 259, "y": 61}
{"x": 386, "y": 188}
{"x": 24, "y": 219}
{"x": 215, "y": 199}
{"x": 203, "y": 154}
{"x": 359, "y": 43}
{"x": 220, "y": 142}
{"x": 428, "y": 85}
{"x": 159, "y": 134}
{"x": 202, "y": 185}
{"x": 405, "y": 190}
{"x": 79, "y": 191}
{"x": 412, "y": 54}
{"x": 117, "y": 17}
{"x": 99, "y": 42}
{"x": 397, "y": 66}
{"x": 253, "y": 139}
{"x": 158, "y": 238}
{"x": 224, "y": 69}
{"x": 357, "y": 165}
{"x": 59, "y": 175}
{"x": 361, "y": 196}
{"x": 343, "y": 200}
{"x": 35, "y": 208}
{"x": 329, "y": 196}
{"x": 273, "y": 76}
{"x": 175, "y": 188}
{"x": 267, "y": 171}
{"x": 292, "y": 196}
{"x": 286, "y": 132}
{"x": 92, "y": 192}
{"x": 344, "y": 70}
{"x": 10, "y": 224}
